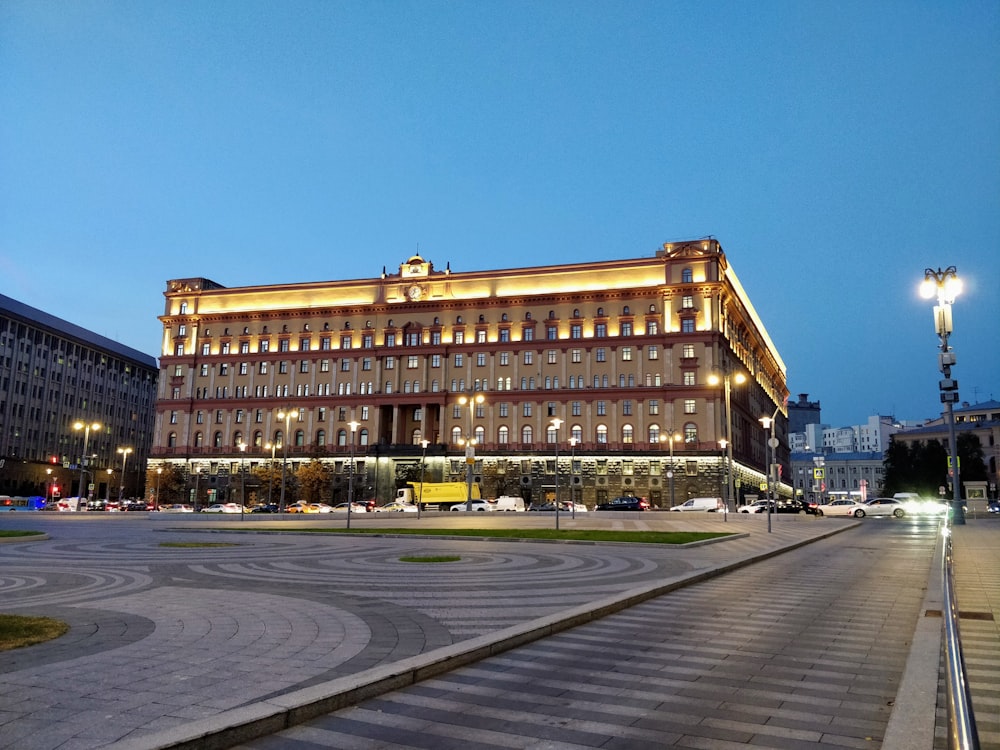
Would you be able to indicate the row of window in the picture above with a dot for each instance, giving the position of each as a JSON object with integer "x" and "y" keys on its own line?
{"x": 414, "y": 339}
{"x": 527, "y": 433}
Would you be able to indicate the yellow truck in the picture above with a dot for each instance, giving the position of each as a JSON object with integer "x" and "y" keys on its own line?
{"x": 436, "y": 495}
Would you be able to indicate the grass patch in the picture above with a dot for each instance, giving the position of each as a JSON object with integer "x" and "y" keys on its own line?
{"x": 17, "y": 631}
{"x": 12, "y": 533}
{"x": 575, "y": 535}
{"x": 198, "y": 544}
{"x": 431, "y": 559}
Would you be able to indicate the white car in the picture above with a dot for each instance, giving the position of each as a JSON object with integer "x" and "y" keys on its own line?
{"x": 176, "y": 508}
{"x": 225, "y": 508}
{"x": 885, "y": 506}
{"x": 477, "y": 505}
{"x": 842, "y": 508}
{"x": 342, "y": 508}
{"x": 753, "y": 507}
{"x": 396, "y": 508}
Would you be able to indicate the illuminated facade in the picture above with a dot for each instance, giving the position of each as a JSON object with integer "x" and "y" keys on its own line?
{"x": 620, "y": 351}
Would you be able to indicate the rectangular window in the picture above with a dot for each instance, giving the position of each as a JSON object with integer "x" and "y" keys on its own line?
{"x": 653, "y": 352}
{"x": 687, "y": 325}
{"x": 480, "y": 336}
{"x": 263, "y": 368}
{"x": 504, "y": 410}
{"x": 206, "y": 349}
{"x": 626, "y": 329}
{"x": 526, "y": 409}
{"x": 413, "y": 362}
{"x": 173, "y": 417}
{"x": 627, "y": 408}
{"x": 203, "y": 370}
{"x": 304, "y": 366}
{"x": 601, "y": 330}
{"x": 575, "y": 409}
{"x": 366, "y": 363}
{"x": 689, "y": 378}
{"x": 304, "y": 345}
{"x": 529, "y": 357}
{"x": 576, "y": 356}
{"x": 652, "y": 328}
{"x": 576, "y": 331}
{"x": 200, "y": 417}
{"x": 601, "y": 354}
{"x": 687, "y": 351}
{"x": 244, "y": 347}
{"x": 367, "y": 341}
{"x": 459, "y": 337}
{"x": 504, "y": 335}
{"x": 459, "y": 360}
{"x": 689, "y": 406}
{"x": 436, "y": 338}
{"x": 481, "y": 359}
{"x": 551, "y": 333}
{"x": 324, "y": 365}
{"x": 626, "y": 354}
{"x": 283, "y": 367}
{"x": 390, "y": 339}
{"x": 390, "y": 363}
{"x": 239, "y": 416}
{"x": 182, "y": 330}
{"x": 345, "y": 365}
{"x": 687, "y": 302}
{"x": 504, "y": 358}
{"x": 602, "y": 408}
{"x": 325, "y": 344}
{"x": 435, "y": 360}
{"x": 529, "y": 334}
{"x": 283, "y": 345}
{"x": 654, "y": 407}
{"x": 225, "y": 348}
{"x": 264, "y": 345}
{"x": 345, "y": 342}
{"x": 553, "y": 356}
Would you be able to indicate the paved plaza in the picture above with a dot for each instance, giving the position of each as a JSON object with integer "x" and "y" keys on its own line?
{"x": 213, "y": 646}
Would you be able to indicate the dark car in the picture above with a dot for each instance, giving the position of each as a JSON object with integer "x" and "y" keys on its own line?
{"x": 994, "y": 506}
{"x": 786, "y": 506}
{"x": 265, "y": 508}
{"x": 625, "y": 503}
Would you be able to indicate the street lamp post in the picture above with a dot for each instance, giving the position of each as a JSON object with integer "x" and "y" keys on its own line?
{"x": 726, "y": 379}
{"x": 556, "y": 424}
{"x": 107, "y": 494}
{"x": 48, "y": 488}
{"x": 670, "y": 470}
{"x": 470, "y": 446}
{"x": 243, "y": 479}
{"x": 769, "y": 424}
{"x": 287, "y": 416}
{"x": 86, "y": 427}
{"x": 947, "y": 286}
{"x": 156, "y": 500}
{"x": 572, "y": 475}
{"x": 121, "y": 486}
{"x": 723, "y": 444}
{"x": 270, "y": 470}
{"x": 350, "y": 475}
{"x": 197, "y": 479}
{"x": 423, "y": 461}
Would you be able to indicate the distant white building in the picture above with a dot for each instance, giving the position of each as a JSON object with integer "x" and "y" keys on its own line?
{"x": 871, "y": 437}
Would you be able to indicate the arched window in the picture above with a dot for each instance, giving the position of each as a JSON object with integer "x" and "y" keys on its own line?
{"x": 456, "y": 435}
{"x": 527, "y": 316}
{"x": 418, "y": 437}
{"x": 503, "y": 317}
{"x": 279, "y": 437}
{"x": 217, "y": 440}
{"x": 600, "y": 312}
{"x": 503, "y": 435}
{"x": 184, "y": 308}
{"x": 320, "y": 437}
{"x": 237, "y": 439}
{"x": 687, "y": 276}
{"x": 576, "y": 313}
{"x": 626, "y": 311}
{"x": 363, "y": 437}
{"x": 300, "y": 438}
{"x": 172, "y": 440}
{"x": 551, "y": 434}
{"x": 342, "y": 438}
{"x": 627, "y": 433}
{"x": 480, "y": 435}
{"x": 198, "y": 440}
{"x": 690, "y": 433}
{"x": 576, "y": 432}
{"x": 258, "y": 439}
{"x": 654, "y": 433}
{"x": 602, "y": 434}
{"x": 526, "y": 434}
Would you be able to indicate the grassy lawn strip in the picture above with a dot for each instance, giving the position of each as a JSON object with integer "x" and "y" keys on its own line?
{"x": 12, "y": 533}
{"x": 17, "y": 631}
{"x": 576, "y": 535}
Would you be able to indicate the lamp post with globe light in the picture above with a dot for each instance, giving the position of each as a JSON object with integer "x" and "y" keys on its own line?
{"x": 727, "y": 380}
{"x": 286, "y": 415}
{"x": 423, "y": 462}
{"x": 554, "y": 426}
{"x": 946, "y": 286}
{"x": 470, "y": 445}
{"x": 121, "y": 486}
{"x": 350, "y": 476}
{"x": 86, "y": 427}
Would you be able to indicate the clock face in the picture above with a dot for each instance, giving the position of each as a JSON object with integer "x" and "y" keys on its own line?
{"x": 414, "y": 292}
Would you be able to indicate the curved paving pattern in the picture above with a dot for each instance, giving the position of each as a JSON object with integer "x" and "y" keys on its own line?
{"x": 163, "y": 636}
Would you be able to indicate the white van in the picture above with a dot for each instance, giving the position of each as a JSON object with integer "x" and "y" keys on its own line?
{"x": 705, "y": 504}
{"x": 509, "y": 503}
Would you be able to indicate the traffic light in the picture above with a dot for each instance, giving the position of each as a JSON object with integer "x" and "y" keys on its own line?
{"x": 53, "y": 459}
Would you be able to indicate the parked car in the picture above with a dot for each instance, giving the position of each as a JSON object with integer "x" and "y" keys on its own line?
{"x": 625, "y": 503}
{"x": 703, "y": 504}
{"x": 512, "y": 503}
{"x": 565, "y": 506}
{"x": 137, "y": 506}
{"x": 265, "y": 508}
{"x": 322, "y": 507}
{"x": 476, "y": 505}
{"x": 301, "y": 508}
{"x": 176, "y": 508}
{"x": 753, "y": 507}
{"x": 885, "y": 506}
{"x": 225, "y": 508}
{"x": 396, "y": 508}
{"x": 842, "y": 508}
{"x": 782, "y": 506}
{"x": 342, "y": 508}
{"x": 993, "y": 506}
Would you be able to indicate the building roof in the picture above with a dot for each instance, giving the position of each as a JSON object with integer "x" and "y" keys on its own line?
{"x": 34, "y": 316}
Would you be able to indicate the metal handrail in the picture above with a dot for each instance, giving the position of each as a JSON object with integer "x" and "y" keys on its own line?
{"x": 962, "y": 734}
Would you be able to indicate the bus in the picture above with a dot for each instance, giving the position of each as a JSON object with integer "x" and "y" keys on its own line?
{"x": 22, "y": 503}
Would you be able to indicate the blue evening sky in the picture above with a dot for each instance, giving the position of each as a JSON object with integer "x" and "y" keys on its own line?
{"x": 836, "y": 149}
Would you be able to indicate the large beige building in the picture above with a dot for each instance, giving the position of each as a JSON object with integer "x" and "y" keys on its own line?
{"x": 622, "y": 352}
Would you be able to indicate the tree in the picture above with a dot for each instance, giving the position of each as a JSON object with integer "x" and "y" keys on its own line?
{"x": 171, "y": 482}
{"x": 898, "y": 467}
{"x": 315, "y": 481}
{"x": 971, "y": 459}
{"x": 269, "y": 478}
